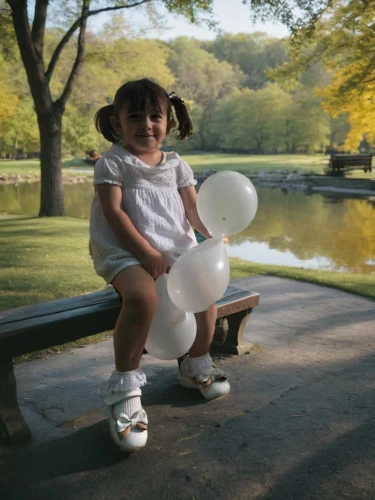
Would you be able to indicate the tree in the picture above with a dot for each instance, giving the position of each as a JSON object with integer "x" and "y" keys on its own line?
{"x": 201, "y": 78}
{"x": 342, "y": 35}
{"x": 253, "y": 54}
{"x": 249, "y": 119}
{"x": 101, "y": 76}
{"x": 297, "y": 15}
{"x": 49, "y": 109}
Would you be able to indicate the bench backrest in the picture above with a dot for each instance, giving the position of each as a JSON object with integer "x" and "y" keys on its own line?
{"x": 351, "y": 159}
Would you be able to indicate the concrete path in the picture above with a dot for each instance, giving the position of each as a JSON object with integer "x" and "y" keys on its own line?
{"x": 299, "y": 424}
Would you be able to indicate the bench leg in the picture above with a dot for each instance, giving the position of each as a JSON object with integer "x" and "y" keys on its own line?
{"x": 229, "y": 334}
{"x": 12, "y": 424}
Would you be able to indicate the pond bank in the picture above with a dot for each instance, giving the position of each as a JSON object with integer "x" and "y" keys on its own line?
{"x": 281, "y": 179}
{"x": 307, "y": 182}
{"x": 28, "y": 178}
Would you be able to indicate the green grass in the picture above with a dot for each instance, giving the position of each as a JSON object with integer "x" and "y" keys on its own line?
{"x": 21, "y": 167}
{"x": 248, "y": 164}
{"x": 359, "y": 284}
{"x": 47, "y": 259}
{"x": 200, "y": 162}
{"x": 256, "y": 163}
{"x": 32, "y": 167}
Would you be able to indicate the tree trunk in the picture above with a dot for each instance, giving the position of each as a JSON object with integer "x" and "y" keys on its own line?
{"x": 14, "y": 149}
{"x": 51, "y": 193}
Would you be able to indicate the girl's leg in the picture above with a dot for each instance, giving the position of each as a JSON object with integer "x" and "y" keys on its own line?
{"x": 128, "y": 420}
{"x": 137, "y": 289}
{"x": 206, "y": 322}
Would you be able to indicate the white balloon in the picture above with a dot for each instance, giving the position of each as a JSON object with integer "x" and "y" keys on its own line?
{"x": 227, "y": 203}
{"x": 172, "y": 331}
{"x": 200, "y": 276}
{"x": 171, "y": 342}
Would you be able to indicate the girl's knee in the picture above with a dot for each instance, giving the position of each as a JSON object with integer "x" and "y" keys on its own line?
{"x": 142, "y": 302}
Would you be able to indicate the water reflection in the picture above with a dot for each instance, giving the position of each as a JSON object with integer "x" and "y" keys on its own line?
{"x": 264, "y": 254}
{"x": 312, "y": 231}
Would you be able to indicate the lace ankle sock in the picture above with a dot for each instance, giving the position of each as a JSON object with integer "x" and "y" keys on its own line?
{"x": 199, "y": 368}
{"x": 123, "y": 382}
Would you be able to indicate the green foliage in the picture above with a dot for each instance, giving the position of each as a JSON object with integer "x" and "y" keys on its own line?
{"x": 295, "y": 14}
{"x": 253, "y": 54}
{"x": 214, "y": 77}
{"x": 18, "y": 126}
{"x": 343, "y": 39}
{"x": 199, "y": 75}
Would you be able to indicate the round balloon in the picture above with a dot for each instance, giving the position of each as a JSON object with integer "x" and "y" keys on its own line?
{"x": 172, "y": 331}
{"x": 227, "y": 203}
{"x": 171, "y": 342}
{"x": 200, "y": 276}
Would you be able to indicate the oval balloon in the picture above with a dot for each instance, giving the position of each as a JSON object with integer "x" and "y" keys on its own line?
{"x": 200, "y": 276}
{"x": 227, "y": 202}
{"x": 165, "y": 307}
{"x": 172, "y": 331}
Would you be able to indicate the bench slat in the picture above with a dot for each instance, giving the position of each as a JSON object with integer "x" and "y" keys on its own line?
{"x": 32, "y": 328}
{"x": 81, "y": 301}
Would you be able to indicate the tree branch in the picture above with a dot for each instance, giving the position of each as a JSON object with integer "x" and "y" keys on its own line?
{"x": 80, "y": 57}
{"x": 65, "y": 39}
{"x": 32, "y": 63}
{"x": 39, "y": 25}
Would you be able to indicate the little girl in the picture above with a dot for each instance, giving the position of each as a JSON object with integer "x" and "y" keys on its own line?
{"x": 139, "y": 225}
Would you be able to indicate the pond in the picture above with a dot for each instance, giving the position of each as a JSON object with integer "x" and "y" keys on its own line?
{"x": 291, "y": 228}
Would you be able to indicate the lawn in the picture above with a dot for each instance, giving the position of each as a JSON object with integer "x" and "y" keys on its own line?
{"x": 256, "y": 163}
{"x": 48, "y": 259}
{"x": 200, "y": 162}
{"x": 32, "y": 167}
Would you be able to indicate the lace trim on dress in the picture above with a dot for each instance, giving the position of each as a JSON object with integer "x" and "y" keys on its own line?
{"x": 119, "y": 151}
{"x": 187, "y": 183}
{"x": 106, "y": 181}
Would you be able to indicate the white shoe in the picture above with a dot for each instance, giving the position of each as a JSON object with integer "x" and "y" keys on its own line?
{"x": 212, "y": 385}
{"x": 128, "y": 433}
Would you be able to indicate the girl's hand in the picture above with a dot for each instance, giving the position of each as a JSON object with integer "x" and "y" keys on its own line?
{"x": 154, "y": 263}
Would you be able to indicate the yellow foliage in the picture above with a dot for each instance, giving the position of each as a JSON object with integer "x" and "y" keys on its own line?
{"x": 358, "y": 102}
{"x": 8, "y": 102}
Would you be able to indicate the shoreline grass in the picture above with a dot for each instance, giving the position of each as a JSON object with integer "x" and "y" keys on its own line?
{"x": 48, "y": 259}
{"x": 32, "y": 167}
{"x": 200, "y": 162}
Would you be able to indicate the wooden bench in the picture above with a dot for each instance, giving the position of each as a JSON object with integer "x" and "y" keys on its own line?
{"x": 341, "y": 162}
{"x": 31, "y": 328}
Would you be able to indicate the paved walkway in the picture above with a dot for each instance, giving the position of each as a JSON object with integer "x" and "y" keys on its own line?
{"x": 299, "y": 424}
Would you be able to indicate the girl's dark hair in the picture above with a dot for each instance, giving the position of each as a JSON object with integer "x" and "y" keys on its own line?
{"x": 138, "y": 95}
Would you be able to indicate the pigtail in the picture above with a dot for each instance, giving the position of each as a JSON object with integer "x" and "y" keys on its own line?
{"x": 185, "y": 126}
{"x": 103, "y": 124}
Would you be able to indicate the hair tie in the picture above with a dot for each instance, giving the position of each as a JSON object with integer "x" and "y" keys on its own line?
{"x": 174, "y": 95}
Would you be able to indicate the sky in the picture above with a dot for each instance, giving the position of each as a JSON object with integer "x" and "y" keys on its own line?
{"x": 233, "y": 17}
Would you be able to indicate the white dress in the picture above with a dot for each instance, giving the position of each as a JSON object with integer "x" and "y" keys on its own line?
{"x": 151, "y": 200}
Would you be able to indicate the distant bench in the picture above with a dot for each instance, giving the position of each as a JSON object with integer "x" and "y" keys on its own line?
{"x": 32, "y": 328}
{"x": 341, "y": 162}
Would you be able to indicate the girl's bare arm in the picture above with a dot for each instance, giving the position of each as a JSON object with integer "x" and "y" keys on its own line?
{"x": 189, "y": 200}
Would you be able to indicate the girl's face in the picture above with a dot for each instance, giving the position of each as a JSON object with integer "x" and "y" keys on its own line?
{"x": 142, "y": 131}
